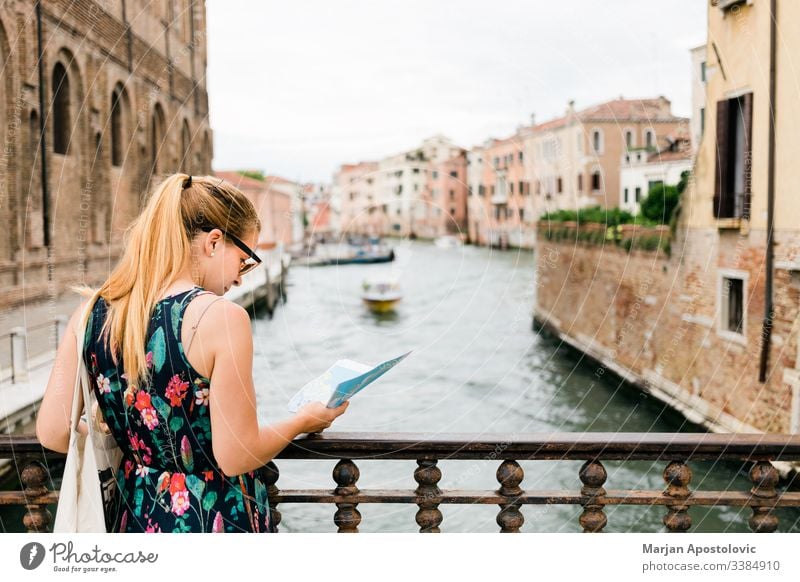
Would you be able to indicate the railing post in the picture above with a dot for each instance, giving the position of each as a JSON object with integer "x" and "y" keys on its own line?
{"x": 764, "y": 478}
{"x": 19, "y": 355}
{"x": 427, "y": 476}
{"x": 34, "y": 478}
{"x": 510, "y": 475}
{"x": 271, "y": 474}
{"x": 347, "y": 517}
{"x": 593, "y": 475}
{"x": 677, "y": 475}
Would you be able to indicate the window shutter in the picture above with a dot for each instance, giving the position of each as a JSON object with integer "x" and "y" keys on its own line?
{"x": 721, "y": 188}
{"x": 747, "y": 105}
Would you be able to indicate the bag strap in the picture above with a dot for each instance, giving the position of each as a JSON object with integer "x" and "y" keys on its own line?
{"x": 80, "y": 390}
{"x": 194, "y": 327}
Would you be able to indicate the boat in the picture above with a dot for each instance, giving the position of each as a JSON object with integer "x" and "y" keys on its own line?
{"x": 358, "y": 253}
{"x": 381, "y": 295}
{"x": 448, "y": 241}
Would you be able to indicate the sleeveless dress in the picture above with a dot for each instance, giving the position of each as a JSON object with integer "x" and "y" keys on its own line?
{"x": 168, "y": 480}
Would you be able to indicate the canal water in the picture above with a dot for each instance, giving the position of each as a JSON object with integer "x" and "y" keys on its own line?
{"x": 477, "y": 366}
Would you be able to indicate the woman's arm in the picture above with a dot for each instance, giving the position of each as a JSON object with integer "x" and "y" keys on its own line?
{"x": 239, "y": 443}
{"x": 55, "y": 410}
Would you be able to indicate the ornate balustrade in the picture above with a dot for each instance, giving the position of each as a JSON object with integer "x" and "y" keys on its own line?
{"x": 675, "y": 450}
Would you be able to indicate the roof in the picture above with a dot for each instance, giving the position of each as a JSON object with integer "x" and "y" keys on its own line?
{"x": 616, "y": 110}
{"x": 240, "y": 180}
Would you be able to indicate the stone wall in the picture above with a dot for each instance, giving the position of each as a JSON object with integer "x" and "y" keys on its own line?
{"x": 654, "y": 318}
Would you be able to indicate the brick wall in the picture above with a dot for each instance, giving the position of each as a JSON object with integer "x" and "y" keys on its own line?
{"x": 156, "y": 55}
{"x": 653, "y": 319}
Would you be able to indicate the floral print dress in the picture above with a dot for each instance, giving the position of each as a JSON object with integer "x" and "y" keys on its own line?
{"x": 169, "y": 480}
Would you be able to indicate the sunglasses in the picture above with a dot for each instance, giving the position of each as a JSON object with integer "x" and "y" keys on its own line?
{"x": 252, "y": 261}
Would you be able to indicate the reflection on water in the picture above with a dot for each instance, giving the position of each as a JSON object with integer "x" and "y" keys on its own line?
{"x": 477, "y": 366}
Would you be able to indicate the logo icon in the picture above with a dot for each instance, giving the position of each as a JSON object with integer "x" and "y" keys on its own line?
{"x": 31, "y": 555}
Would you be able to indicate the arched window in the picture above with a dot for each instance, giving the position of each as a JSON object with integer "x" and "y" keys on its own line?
{"x": 629, "y": 138}
{"x": 61, "y": 109}
{"x": 597, "y": 141}
{"x": 117, "y": 148}
{"x": 156, "y": 137}
{"x": 597, "y": 183}
{"x": 649, "y": 138}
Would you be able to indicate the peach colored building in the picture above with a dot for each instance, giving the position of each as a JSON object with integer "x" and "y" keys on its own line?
{"x": 274, "y": 207}
{"x": 444, "y": 198}
{"x": 354, "y": 199}
{"x": 500, "y": 210}
{"x": 575, "y": 159}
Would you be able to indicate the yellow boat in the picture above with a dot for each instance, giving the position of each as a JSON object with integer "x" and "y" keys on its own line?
{"x": 381, "y": 295}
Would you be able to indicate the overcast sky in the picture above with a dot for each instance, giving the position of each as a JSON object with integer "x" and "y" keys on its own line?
{"x": 297, "y": 88}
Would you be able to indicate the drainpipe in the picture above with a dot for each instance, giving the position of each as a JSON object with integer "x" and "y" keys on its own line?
{"x": 766, "y": 333}
{"x": 43, "y": 133}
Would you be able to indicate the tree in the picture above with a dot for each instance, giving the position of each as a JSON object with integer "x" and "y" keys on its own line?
{"x": 660, "y": 202}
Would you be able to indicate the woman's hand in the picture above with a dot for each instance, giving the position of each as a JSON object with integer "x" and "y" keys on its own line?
{"x": 316, "y": 417}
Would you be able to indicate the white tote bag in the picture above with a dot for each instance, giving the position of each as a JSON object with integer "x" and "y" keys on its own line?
{"x": 88, "y": 496}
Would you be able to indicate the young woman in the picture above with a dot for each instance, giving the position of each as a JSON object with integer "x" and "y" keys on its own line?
{"x": 170, "y": 362}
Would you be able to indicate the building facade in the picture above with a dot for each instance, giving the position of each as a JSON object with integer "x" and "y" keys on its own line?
{"x": 106, "y": 98}
{"x": 712, "y": 327}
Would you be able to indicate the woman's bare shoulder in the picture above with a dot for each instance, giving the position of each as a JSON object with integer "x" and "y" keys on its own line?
{"x": 214, "y": 315}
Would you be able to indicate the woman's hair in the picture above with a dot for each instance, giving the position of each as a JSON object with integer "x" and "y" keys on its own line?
{"x": 157, "y": 247}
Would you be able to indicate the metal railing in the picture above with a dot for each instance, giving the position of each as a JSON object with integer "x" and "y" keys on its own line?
{"x": 675, "y": 450}
{"x": 17, "y": 363}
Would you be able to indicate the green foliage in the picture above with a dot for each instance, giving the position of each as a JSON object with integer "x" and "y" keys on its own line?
{"x": 255, "y": 174}
{"x": 660, "y": 202}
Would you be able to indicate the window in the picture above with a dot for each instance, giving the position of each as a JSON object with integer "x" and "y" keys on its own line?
{"x": 625, "y": 195}
{"x": 628, "y": 138}
{"x": 453, "y": 174}
{"x": 157, "y": 138}
{"x": 511, "y": 187}
{"x": 435, "y": 174}
{"x": 117, "y": 153}
{"x": 732, "y": 304}
{"x": 452, "y": 211}
{"x": 638, "y": 193}
{"x": 481, "y": 190}
{"x": 415, "y": 170}
{"x": 580, "y": 182}
{"x": 538, "y": 186}
{"x": 61, "y": 109}
{"x": 559, "y": 188}
{"x": 521, "y": 187}
{"x": 496, "y": 162}
{"x": 734, "y": 150}
{"x": 654, "y": 184}
{"x": 452, "y": 195}
{"x": 702, "y": 120}
{"x": 596, "y": 180}
{"x": 352, "y": 195}
{"x": 520, "y": 156}
{"x": 521, "y": 214}
{"x": 597, "y": 141}
{"x": 649, "y": 138}
{"x": 703, "y": 72}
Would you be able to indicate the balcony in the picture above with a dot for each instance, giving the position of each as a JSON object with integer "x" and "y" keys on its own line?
{"x": 675, "y": 450}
